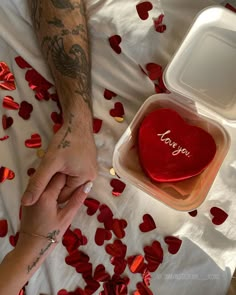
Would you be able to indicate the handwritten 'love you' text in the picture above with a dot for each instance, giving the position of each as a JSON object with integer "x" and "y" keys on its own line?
{"x": 177, "y": 148}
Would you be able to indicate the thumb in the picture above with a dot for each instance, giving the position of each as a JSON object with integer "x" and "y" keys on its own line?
{"x": 77, "y": 199}
{"x": 38, "y": 183}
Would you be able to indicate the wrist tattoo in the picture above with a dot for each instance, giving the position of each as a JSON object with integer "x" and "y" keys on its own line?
{"x": 65, "y": 142}
{"x": 51, "y": 236}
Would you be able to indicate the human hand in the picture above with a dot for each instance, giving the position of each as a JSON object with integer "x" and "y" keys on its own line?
{"x": 72, "y": 152}
{"x": 47, "y": 219}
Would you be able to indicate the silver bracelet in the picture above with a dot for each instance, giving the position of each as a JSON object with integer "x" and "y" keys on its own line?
{"x": 49, "y": 237}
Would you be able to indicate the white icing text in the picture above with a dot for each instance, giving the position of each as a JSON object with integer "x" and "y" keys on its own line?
{"x": 177, "y": 148}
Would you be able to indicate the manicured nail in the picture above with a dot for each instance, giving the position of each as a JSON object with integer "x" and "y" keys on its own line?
{"x": 87, "y": 187}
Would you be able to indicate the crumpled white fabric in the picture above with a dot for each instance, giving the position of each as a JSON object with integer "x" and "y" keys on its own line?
{"x": 206, "y": 259}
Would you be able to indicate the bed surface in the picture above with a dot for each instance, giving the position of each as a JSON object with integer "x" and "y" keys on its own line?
{"x": 194, "y": 251}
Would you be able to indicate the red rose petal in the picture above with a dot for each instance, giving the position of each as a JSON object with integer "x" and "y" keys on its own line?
{"x": 118, "y": 187}
{"x": 143, "y": 9}
{"x": 219, "y": 216}
{"x": 3, "y": 228}
{"x": 115, "y": 43}
{"x": 148, "y": 223}
{"x": 34, "y": 141}
{"x": 173, "y": 244}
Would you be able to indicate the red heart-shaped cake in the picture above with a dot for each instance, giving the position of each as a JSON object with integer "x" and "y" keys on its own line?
{"x": 172, "y": 150}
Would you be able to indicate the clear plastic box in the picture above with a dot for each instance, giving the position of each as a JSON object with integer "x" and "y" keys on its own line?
{"x": 202, "y": 85}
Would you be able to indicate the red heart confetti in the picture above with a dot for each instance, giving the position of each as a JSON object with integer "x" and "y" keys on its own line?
{"x": 173, "y": 244}
{"x": 76, "y": 257}
{"x": 34, "y": 141}
{"x": 13, "y": 239}
{"x": 159, "y": 26}
{"x": 230, "y": 7}
{"x": 4, "y": 138}
{"x": 101, "y": 235}
{"x": 219, "y": 216}
{"x": 9, "y": 103}
{"x": 148, "y": 223}
{"x": 108, "y": 94}
{"x": 73, "y": 239}
{"x": 136, "y": 263}
{"x": 118, "y": 187}
{"x": 6, "y": 174}
{"x": 22, "y": 63}
{"x": 118, "y": 226}
{"x": 6, "y": 122}
{"x": 116, "y": 249}
{"x": 97, "y": 125}
{"x": 92, "y": 205}
{"x": 116, "y": 286}
{"x": 146, "y": 277}
{"x": 193, "y": 213}
{"x": 142, "y": 289}
{"x": 115, "y": 41}
{"x": 153, "y": 255}
{"x": 25, "y": 110}
{"x": 57, "y": 118}
{"x": 119, "y": 265}
{"x": 3, "y": 228}
{"x": 31, "y": 171}
{"x": 100, "y": 274}
{"x": 118, "y": 110}
{"x": 154, "y": 71}
{"x": 105, "y": 215}
{"x": 92, "y": 286}
{"x": 7, "y": 79}
{"x": 172, "y": 150}
{"x": 143, "y": 9}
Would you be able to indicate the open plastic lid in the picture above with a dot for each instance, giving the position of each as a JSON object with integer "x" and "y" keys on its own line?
{"x": 204, "y": 67}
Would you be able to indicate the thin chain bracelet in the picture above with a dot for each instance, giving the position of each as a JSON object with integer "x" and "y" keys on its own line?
{"x": 49, "y": 238}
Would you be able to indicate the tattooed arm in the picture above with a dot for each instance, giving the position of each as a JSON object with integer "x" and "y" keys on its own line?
{"x": 62, "y": 33}
{"x": 42, "y": 225}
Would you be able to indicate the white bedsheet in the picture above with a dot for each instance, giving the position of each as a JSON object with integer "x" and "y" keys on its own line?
{"x": 206, "y": 259}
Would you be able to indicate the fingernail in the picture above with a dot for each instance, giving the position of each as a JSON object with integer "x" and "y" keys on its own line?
{"x": 27, "y": 198}
{"x": 87, "y": 187}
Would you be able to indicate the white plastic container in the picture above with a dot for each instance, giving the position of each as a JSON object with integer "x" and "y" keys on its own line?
{"x": 201, "y": 79}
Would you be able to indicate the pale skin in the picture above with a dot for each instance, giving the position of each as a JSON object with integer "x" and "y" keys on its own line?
{"x": 61, "y": 29}
{"x": 69, "y": 165}
{"x": 44, "y": 218}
